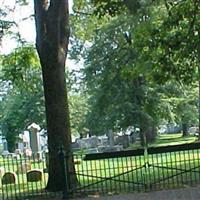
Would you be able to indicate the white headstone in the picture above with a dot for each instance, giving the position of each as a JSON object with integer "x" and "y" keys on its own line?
{"x": 34, "y": 137}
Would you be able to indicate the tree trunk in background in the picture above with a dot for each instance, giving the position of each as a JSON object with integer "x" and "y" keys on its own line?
{"x": 52, "y": 27}
{"x": 185, "y": 129}
{"x": 151, "y": 133}
{"x": 146, "y": 122}
{"x": 184, "y": 125}
{"x": 142, "y": 135}
{"x": 147, "y": 132}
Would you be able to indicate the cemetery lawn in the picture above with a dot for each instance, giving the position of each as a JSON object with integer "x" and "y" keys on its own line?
{"x": 132, "y": 170}
{"x": 116, "y": 166}
{"x": 173, "y": 139}
{"x": 96, "y": 170}
{"x": 22, "y": 186}
{"x": 168, "y": 140}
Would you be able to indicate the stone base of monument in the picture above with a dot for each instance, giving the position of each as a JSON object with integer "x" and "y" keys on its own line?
{"x": 110, "y": 148}
{"x": 91, "y": 150}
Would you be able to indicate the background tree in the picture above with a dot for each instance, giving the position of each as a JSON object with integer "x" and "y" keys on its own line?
{"x": 117, "y": 90}
{"x": 78, "y": 106}
{"x": 180, "y": 104}
{"x": 22, "y": 100}
{"x": 135, "y": 52}
{"x": 174, "y": 45}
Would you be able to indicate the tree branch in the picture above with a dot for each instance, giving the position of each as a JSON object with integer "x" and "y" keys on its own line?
{"x": 194, "y": 18}
{"x": 81, "y": 13}
{"x": 167, "y": 7}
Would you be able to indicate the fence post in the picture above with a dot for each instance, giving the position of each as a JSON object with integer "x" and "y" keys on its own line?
{"x": 62, "y": 157}
{"x": 146, "y": 165}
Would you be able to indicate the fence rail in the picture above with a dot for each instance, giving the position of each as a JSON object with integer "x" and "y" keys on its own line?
{"x": 139, "y": 170}
{"x": 114, "y": 172}
{"x": 22, "y": 177}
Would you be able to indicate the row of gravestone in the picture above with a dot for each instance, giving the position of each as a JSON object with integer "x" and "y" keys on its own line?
{"x": 21, "y": 169}
{"x": 33, "y": 175}
{"x": 94, "y": 141}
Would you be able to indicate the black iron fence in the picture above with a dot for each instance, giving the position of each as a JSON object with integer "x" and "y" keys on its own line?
{"x": 138, "y": 170}
{"x": 22, "y": 177}
{"x": 114, "y": 172}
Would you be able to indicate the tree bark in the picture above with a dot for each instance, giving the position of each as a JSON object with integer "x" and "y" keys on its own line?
{"x": 199, "y": 103}
{"x": 185, "y": 125}
{"x": 147, "y": 131}
{"x": 52, "y": 27}
{"x": 185, "y": 129}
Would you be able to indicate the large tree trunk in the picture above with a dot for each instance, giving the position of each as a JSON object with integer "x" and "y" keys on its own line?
{"x": 199, "y": 103}
{"x": 52, "y": 26}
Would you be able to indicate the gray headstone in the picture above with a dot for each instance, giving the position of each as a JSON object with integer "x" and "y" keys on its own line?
{"x": 34, "y": 137}
{"x": 82, "y": 143}
{"x": 110, "y": 138}
{"x": 9, "y": 178}
{"x": 103, "y": 141}
{"x": 122, "y": 140}
{"x": 93, "y": 142}
{"x": 75, "y": 145}
{"x": 86, "y": 143}
{"x": 34, "y": 175}
{"x": 5, "y": 145}
{"x": 92, "y": 150}
{"x": 132, "y": 138}
{"x": 110, "y": 149}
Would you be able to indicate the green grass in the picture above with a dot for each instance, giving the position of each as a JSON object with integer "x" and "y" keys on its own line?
{"x": 173, "y": 139}
{"x": 167, "y": 140}
{"x": 22, "y": 187}
{"x": 166, "y": 170}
